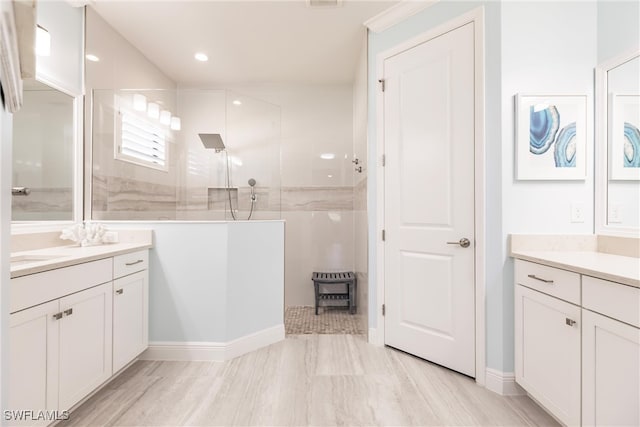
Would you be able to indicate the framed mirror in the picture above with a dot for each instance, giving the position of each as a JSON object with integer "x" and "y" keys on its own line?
{"x": 46, "y": 157}
{"x": 618, "y": 146}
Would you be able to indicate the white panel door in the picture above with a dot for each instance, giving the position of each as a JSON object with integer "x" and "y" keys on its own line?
{"x": 33, "y": 360}
{"x": 429, "y": 123}
{"x": 547, "y": 352}
{"x": 610, "y": 372}
{"x": 130, "y": 318}
{"x": 85, "y": 343}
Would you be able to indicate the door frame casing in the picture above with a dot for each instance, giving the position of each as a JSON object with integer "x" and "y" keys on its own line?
{"x": 475, "y": 16}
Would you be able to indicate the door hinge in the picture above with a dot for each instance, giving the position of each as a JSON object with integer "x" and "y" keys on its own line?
{"x": 384, "y": 159}
{"x": 382, "y": 84}
{"x": 384, "y": 235}
{"x": 384, "y": 311}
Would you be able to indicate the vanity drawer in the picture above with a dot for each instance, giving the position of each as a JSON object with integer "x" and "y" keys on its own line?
{"x": 614, "y": 300}
{"x": 34, "y": 289}
{"x": 133, "y": 262}
{"x": 549, "y": 280}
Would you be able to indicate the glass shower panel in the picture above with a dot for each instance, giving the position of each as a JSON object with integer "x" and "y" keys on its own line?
{"x": 253, "y": 149}
{"x": 198, "y": 183}
{"x": 126, "y": 185}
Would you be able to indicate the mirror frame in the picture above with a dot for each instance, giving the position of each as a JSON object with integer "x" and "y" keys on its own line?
{"x": 602, "y": 148}
{"x": 19, "y": 227}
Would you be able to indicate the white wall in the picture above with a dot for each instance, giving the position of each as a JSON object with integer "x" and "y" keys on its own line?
{"x": 65, "y": 24}
{"x": 360, "y": 238}
{"x": 5, "y": 242}
{"x": 546, "y": 62}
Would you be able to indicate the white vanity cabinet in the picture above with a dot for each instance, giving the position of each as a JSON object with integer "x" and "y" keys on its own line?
{"x": 85, "y": 343}
{"x": 130, "y": 307}
{"x": 72, "y": 328}
{"x": 610, "y": 354}
{"x": 33, "y": 358}
{"x": 577, "y": 345}
{"x": 547, "y": 339}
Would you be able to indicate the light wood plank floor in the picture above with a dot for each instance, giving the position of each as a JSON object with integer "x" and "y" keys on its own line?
{"x": 305, "y": 380}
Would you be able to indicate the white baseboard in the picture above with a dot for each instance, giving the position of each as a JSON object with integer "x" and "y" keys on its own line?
{"x": 374, "y": 339}
{"x": 249, "y": 343}
{"x": 212, "y": 351}
{"x": 503, "y": 383}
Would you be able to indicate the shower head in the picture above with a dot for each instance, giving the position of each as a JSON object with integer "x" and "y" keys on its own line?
{"x": 212, "y": 141}
{"x": 252, "y": 182}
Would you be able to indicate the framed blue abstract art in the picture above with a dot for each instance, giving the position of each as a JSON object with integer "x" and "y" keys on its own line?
{"x": 624, "y": 137}
{"x": 551, "y": 137}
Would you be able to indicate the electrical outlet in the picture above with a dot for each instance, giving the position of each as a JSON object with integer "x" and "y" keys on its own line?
{"x": 614, "y": 216}
{"x": 577, "y": 212}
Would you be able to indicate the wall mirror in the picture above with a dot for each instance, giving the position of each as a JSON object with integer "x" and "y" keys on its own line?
{"x": 45, "y": 156}
{"x": 618, "y": 146}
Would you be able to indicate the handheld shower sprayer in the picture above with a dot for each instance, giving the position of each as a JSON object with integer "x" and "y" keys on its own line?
{"x": 252, "y": 184}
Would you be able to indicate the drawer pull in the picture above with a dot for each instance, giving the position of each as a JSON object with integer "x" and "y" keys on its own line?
{"x": 569, "y": 322}
{"x": 133, "y": 263}
{"x": 533, "y": 276}
{"x": 57, "y": 316}
{"x": 68, "y": 312}
{"x": 120, "y": 291}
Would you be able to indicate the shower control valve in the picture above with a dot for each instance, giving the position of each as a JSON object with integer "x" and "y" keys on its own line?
{"x": 355, "y": 161}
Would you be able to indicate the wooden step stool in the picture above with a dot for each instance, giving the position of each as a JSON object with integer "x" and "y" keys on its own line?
{"x": 347, "y": 277}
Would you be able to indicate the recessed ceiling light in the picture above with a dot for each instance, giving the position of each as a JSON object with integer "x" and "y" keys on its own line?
{"x": 237, "y": 102}
{"x": 201, "y": 57}
{"x": 91, "y": 57}
{"x": 329, "y": 176}
{"x": 327, "y": 156}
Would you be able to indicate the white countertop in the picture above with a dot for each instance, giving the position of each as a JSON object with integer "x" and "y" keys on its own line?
{"x": 616, "y": 268}
{"x": 66, "y": 256}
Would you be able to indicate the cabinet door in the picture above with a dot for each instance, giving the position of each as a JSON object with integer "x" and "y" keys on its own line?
{"x": 130, "y": 318}
{"x": 547, "y": 352}
{"x": 33, "y": 359}
{"x": 85, "y": 343}
{"x": 610, "y": 372}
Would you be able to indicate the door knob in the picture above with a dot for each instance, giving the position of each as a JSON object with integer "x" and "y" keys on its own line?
{"x": 464, "y": 242}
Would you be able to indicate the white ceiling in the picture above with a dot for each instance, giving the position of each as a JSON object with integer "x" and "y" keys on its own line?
{"x": 246, "y": 41}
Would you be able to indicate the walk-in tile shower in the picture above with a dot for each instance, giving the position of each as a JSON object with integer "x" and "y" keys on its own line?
{"x": 192, "y": 154}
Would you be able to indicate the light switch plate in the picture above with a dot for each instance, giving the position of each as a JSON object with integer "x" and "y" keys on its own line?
{"x": 577, "y": 212}
{"x": 614, "y": 216}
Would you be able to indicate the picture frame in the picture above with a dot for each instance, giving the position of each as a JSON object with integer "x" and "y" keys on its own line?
{"x": 624, "y": 137}
{"x": 551, "y": 137}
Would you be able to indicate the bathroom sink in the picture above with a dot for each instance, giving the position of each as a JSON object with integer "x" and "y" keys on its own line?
{"x": 28, "y": 259}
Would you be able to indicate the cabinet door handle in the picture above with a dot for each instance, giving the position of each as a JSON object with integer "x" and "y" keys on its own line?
{"x": 569, "y": 322}
{"x": 533, "y": 276}
{"x": 119, "y": 291}
{"x": 57, "y": 316}
{"x": 133, "y": 263}
{"x": 68, "y": 312}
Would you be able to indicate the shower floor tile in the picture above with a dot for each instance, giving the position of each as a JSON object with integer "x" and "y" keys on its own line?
{"x": 299, "y": 320}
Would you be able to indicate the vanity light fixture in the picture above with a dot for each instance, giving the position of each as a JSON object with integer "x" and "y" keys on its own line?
{"x": 327, "y": 156}
{"x": 202, "y": 57}
{"x": 237, "y": 102}
{"x": 153, "y": 110}
{"x": 139, "y": 102}
{"x": 91, "y": 57}
{"x": 165, "y": 117}
{"x": 175, "y": 123}
{"x": 43, "y": 41}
